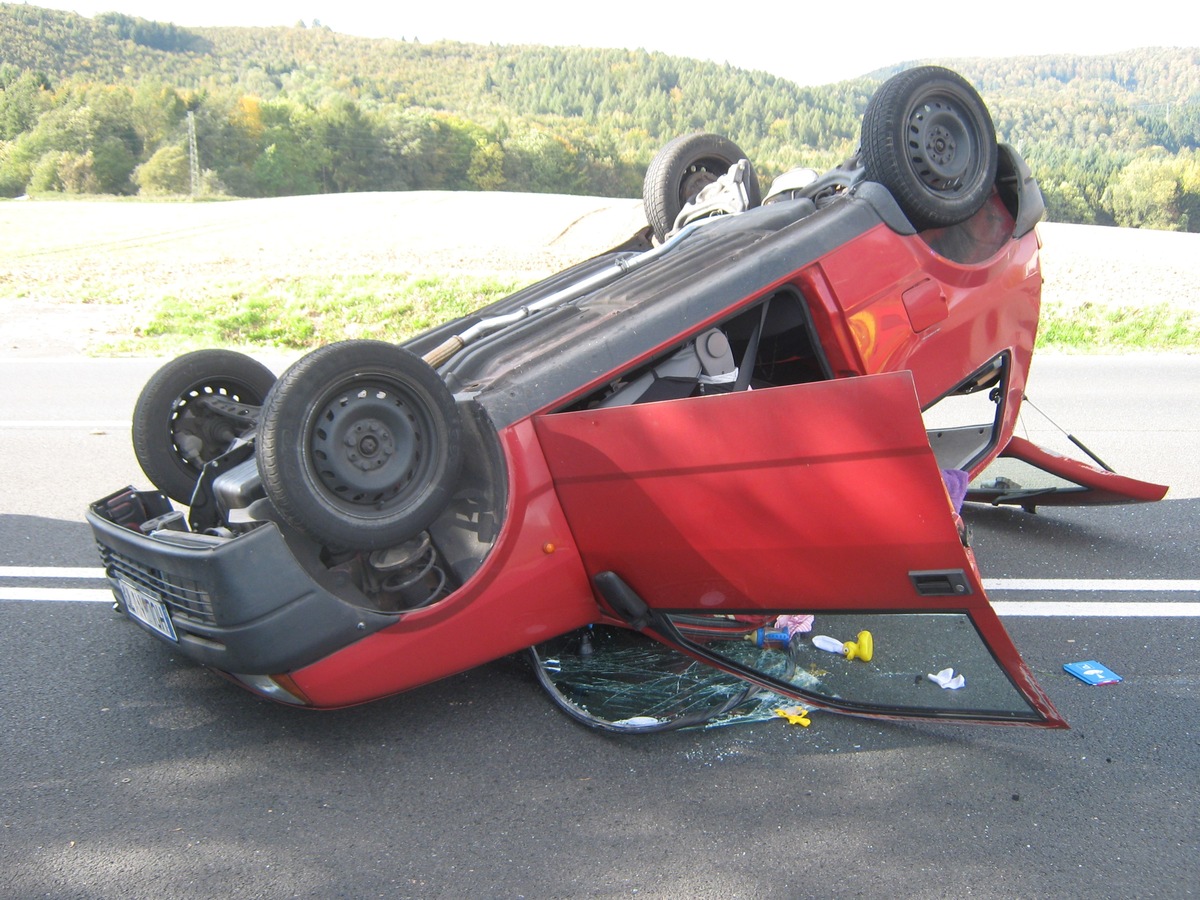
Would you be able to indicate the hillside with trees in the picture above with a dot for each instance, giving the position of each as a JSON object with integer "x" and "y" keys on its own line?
{"x": 115, "y": 104}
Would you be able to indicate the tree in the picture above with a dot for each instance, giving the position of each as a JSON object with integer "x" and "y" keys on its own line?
{"x": 166, "y": 172}
{"x": 1066, "y": 203}
{"x": 157, "y": 112}
{"x": 436, "y": 152}
{"x": 540, "y": 162}
{"x": 23, "y": 98}
{"x": 91, "y": 124}
{"x": 63, "y": 171}
{"x": 1157, "y": 191}
{"x": 285, "y": 169}
{"x": 351, "y": 149}
{"x": 486, "y": 172}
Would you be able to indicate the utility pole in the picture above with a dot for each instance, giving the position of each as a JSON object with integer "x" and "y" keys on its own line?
{"x": 193, "y": 158}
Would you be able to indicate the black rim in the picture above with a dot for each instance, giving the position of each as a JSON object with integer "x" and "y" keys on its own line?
{"x": 192, "y": 416}
{"x": 942, "y": 144}
{"x": 369, "y": 446}
{"x": 699, "y": 175}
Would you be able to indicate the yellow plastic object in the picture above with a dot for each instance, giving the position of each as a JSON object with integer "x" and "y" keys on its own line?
{"x": 863, "y": 648}
{"x": 797, "y": 715}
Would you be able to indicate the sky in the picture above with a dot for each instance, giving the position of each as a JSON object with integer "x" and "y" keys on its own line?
{"x": 806, "y": 44}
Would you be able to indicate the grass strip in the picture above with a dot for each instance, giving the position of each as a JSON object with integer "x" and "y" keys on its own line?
{"x": 303, "y": 313}
{"x": 1099, "y": 328}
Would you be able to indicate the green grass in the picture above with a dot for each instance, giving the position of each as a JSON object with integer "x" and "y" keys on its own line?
{"x": 302, "y": 313}
{"x": 1097, "y": 328}
{"x": 64, "y": 258}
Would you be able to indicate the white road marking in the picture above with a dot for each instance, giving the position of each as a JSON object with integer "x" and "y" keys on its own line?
{"x": 64, "y": 423}
{"x": 49, "y": 572}
{"x": 989, "y": 584}
{"x": 1066, "y": 609}
{"x": 58, "y": 595}
{"x": 1091, "y": 584}
{"x": 1087, "y": 609}
{"x": 55, "y": 595}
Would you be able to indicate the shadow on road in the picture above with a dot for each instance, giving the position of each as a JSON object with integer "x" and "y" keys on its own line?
{"x": 37, "y": 541}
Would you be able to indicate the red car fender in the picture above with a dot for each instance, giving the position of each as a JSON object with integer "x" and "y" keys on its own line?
{"x": 532, "y": 587}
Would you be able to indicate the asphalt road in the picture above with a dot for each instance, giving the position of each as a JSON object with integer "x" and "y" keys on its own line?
{"x": 129, "y": 772}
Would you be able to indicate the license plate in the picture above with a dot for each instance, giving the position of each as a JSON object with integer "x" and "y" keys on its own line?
{"x": 147, "y": 609}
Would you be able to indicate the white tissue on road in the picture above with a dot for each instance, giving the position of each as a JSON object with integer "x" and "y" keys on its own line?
{"x": 948, "y": 680}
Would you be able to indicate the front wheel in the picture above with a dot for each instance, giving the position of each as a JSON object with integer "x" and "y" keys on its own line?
{"x": 191, "y": 410}
{"x": 360, "y": 445}
{"x": 928, "y": 138}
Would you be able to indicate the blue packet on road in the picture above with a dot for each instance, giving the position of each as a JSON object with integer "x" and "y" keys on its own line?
{"x": 1091, "y": 672}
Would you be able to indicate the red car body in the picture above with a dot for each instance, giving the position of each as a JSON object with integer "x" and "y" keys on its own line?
{"x": 821, "y": 490}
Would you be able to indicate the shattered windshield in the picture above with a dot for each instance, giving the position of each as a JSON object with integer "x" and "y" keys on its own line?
{"x": 620, "y": 680}
{"x": 931, "y": 664}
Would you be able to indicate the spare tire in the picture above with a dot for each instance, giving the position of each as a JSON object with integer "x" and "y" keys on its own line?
{"x": 360, "y": 445}
{"x": 928, "y": 138}
{"x": 681, "y": 169}
{"x": 176, "y": 430}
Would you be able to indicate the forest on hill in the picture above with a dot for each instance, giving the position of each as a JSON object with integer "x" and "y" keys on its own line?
{"x": 120, "y": 105}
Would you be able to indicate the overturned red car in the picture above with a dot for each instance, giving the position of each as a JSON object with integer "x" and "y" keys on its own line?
{"x": 755, "y": 411}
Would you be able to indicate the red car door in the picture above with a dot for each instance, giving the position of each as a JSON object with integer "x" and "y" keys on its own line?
{"x": 821, "y": 499}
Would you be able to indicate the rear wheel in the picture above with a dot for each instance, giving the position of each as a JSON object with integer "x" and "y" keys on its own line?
{"x": 360, "y": 445}
{"x": 928, "y": 138}
{"x": 191, "y": 410}
{"x": 681, "y": 169}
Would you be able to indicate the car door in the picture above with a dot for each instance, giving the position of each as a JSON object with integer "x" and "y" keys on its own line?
{"x": 703, "y": 519}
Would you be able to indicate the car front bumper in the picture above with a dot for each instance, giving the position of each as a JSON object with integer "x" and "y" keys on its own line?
{"x": 245, "y": 604}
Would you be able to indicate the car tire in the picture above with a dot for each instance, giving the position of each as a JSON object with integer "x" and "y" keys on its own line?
{"x": 166, "y": 416}
{"x": 681, "y": 169}
{"x": 929, "y": 139}
{"x": 360, "y": 445}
